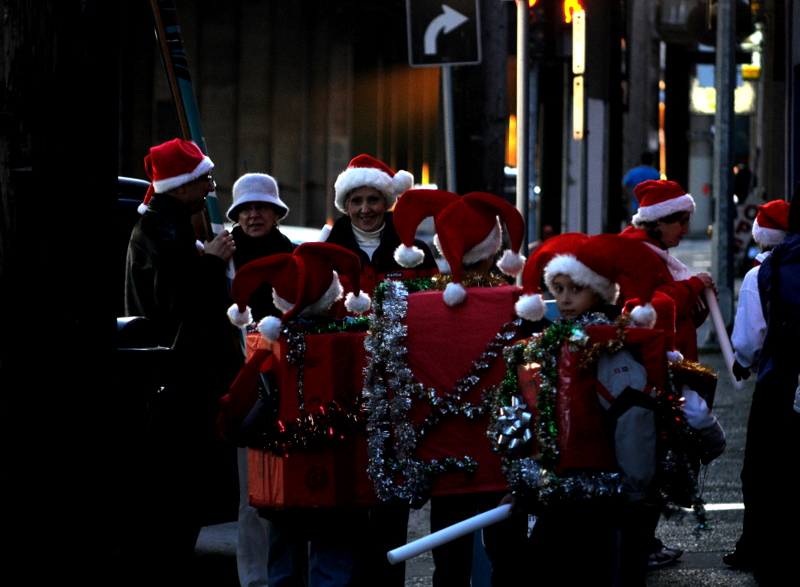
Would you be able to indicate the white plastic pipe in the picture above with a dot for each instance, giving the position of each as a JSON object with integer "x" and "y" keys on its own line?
{"x": 448, "y": 534}
{"x": 722, "y": 336}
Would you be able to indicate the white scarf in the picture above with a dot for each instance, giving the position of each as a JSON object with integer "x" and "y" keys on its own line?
{"x": 678, "y": 270}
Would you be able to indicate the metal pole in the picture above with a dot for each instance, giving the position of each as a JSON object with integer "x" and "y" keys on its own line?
{"x": 449, "y": 135}
{"x": 522, "y": 113}
{"x": 725, "y": 83}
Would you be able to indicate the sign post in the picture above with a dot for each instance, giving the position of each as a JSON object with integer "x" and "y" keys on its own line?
{"x": 443, "y": 35}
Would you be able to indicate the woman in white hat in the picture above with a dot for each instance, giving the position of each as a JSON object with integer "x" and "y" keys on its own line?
{"x": 256, "y": 211}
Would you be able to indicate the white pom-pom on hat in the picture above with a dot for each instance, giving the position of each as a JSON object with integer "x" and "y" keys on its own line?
{"x": 454, "y": 294}
{"x": 239, "y": 318}
{"x": 644, "y": 316}
{"x": 511, "y": 263}
{"x": 409, "y": 256}
{"x": 358, "y": 304}
{"x": 270, "y": 328}
{"x": 530, "y": 307}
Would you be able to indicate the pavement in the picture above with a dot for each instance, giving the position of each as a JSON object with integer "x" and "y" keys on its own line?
{"x": 701, "y": 563}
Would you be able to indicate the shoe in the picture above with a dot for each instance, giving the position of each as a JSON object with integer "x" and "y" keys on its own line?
{"x": 738, "y": 560}
{"x": 663, "y": 557}
{"x": 674, "y": 551}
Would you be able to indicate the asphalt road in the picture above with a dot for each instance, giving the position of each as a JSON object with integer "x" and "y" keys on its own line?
{"x": 701, "y": 563}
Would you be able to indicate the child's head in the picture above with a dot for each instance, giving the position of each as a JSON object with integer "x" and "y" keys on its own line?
{"x": 572, "y": 298}
{"x": 585, "y": 272}
{"x": 577, "y": 287}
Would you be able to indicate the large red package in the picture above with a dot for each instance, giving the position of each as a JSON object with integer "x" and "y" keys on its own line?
{"x": 309, "y": 377}
{"x": 582, "y": 441}
{"x": 446, "y": 351}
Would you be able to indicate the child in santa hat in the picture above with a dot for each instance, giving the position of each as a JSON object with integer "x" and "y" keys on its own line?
{"x": 585, "y": 279}
{"x": 769, "y": 230}
{"x": 304, "y": 541}
{"x": 749, "y": 329}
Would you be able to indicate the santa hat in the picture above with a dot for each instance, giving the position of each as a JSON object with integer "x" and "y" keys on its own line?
{"x": 256, "y": 187}
{"x": 304, "y": 283}
{"x": 530, "y": 305}
{"x": 607, "y": 262}
{"x": 171, "y": 165}
{"x": 771, "y": 223}
{"x": 467, "y": 231}
{"x": 659, "y": 198}
{"x": 664, "y": 307}
{"x": 368, "y": 171}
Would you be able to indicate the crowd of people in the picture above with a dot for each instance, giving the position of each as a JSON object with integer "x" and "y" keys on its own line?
{"x": 460, "y": 391}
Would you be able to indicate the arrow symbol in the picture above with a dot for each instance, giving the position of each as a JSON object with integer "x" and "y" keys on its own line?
{"x": 446, "y": 22}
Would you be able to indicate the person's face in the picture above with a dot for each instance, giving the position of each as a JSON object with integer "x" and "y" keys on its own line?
{"x": 366, "y": 208}
{"x": 257, "y": 218}
{"x": 194, "y": 193}
{"x": 572, "y": 299}
{"x": 672, "y": 232}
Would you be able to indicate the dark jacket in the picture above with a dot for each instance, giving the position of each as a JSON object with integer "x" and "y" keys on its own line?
{"x": 186, "y": 295}
{"x": 779, "y": 290}
{"x": 382, "y": 265}
{"x": 249, "y": 249}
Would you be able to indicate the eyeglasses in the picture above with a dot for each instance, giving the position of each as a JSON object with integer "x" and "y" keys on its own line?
{"x": 208, "y": 179}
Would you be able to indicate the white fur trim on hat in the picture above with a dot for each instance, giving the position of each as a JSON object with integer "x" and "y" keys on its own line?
{"x": 582, "y": 275}
{"x": 270, "y": 328}
{"x": 408, "y": 256}
{"x": 238, "y": 318}
{"x": 454, "y": 294}
{"x": 684, "y": 203}
{"x": 644, "y": 316}
{"x": 331, "y": 295}
{"x": 767, "y": 237}
{"x": 530, "y": 307}
{"x": 356, "y": 177}
{"x": 357, "y": 304}
{"x": 511, "y": 263}
{"x": 164, "y": 185}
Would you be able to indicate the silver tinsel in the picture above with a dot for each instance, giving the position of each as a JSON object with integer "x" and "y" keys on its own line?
{"x": 393, "y": 437}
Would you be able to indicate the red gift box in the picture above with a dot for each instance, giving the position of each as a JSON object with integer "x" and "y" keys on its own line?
{"x": 582, "y": 441}
{"x": 443, "y": 342}
{"x": 332, "y": 368}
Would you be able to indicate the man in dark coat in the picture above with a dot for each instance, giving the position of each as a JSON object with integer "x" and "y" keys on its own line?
{"x": 186, "y": 473}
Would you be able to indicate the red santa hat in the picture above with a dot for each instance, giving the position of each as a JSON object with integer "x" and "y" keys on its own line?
{"x": 530, "y": 305}
{"x": 771, "y": 223}
{"x": 664, "y": 307}
{"x": 659, "y": 198}
{"x": 304, "y": 283}
{"x": 173, "y": 164}
{"x": 607, "y": 262}
{"x": 467, "y": 231}
{"x": 368, "y": 171}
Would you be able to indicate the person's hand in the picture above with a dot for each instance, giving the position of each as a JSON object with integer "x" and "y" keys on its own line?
{"x": 740, "y": 372}
{"x": 708, "y": 281}
{"x": 221, "y": 246}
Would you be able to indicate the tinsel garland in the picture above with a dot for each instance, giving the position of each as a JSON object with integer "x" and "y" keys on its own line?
{"x": 296, "y": 331}
{"x": 679, "y": 464}
{"x": 535, "y": 477}
{"x": 393, "y": 468}
{"x": 336, "y": 421}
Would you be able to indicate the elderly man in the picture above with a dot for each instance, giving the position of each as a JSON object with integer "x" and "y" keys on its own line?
{"x": 187, "y": 471}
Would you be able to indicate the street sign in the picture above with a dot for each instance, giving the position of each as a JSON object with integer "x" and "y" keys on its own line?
{"x": 443, "y": 33}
